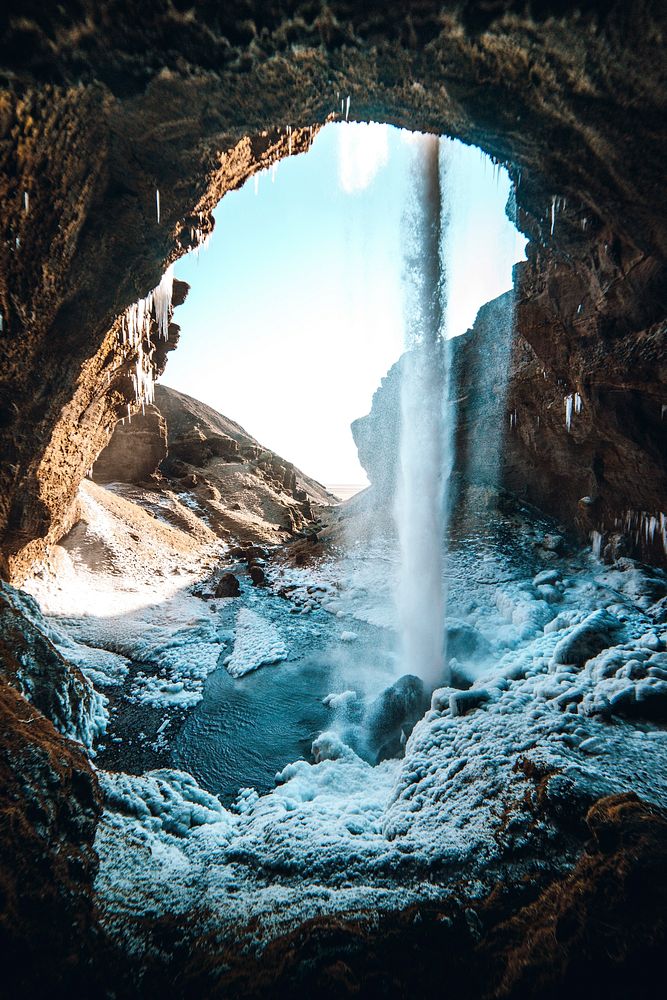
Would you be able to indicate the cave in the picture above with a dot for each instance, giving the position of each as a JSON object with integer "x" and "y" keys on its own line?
{"x": 502, "y": 832}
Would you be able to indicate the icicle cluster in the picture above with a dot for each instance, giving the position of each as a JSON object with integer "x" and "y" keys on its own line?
{"x": 556, "y": 205}
{"x": 644, "y": 526}
{"x": 136, "y": 328}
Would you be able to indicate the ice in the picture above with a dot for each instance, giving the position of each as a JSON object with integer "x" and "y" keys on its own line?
{"x": 165, "y": 801}
{"x": 46, "y": 673}
{"x": 157, "y": 205}
{"x": 345, "y": 835}
{"x": 257, "y": 642}
{"x": 569, "y": 402}
{"x": 341, "y": 700}
{"x": 135, "y": 332}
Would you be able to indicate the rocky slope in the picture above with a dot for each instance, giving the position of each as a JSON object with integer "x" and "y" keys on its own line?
{"x": 96, "y": 118}
{"x": 241, "y": 491}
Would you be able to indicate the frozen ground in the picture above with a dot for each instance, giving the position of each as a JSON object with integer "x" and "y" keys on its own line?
{"x": 561, "y": 672}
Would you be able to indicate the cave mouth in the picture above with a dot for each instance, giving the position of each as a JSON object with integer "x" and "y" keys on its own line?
{"x": 514, "y": 840}
{"x": 308, "y": 288}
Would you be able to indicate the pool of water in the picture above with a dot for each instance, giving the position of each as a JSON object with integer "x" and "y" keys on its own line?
{"x": 245, "y": 730}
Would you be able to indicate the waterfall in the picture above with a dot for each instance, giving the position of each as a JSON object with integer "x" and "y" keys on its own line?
{"x": 426, "y": 438}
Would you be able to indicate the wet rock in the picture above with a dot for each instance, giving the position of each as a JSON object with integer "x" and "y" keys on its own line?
{"x": 394, "y": 714}
{"x": 228, "y": 586}
{"x": 257, "y": 575}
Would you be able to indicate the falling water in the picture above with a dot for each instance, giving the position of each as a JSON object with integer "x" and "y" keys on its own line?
{"x": 426, "y": 439}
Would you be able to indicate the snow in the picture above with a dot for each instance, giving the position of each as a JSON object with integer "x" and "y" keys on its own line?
{"x": 562, "y": 691}
{"x": 340, "y": 700}
{"x": 570, "y": 683}
{"x": 257, "y": 642}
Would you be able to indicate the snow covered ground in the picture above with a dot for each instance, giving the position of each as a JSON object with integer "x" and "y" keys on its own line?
{"x": 560, "y": 666}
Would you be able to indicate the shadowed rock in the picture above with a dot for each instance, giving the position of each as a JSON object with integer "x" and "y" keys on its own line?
{"x": 394, "y": 714}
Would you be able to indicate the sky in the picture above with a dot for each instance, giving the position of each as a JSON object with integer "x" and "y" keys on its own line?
{"x": 295, "y": 311}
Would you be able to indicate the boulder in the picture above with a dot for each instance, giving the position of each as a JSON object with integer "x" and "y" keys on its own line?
{"x": 394, "y": 714}
{"x": 228, "y": 586}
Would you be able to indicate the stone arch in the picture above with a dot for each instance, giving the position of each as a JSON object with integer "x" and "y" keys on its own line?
{"x": 103, "y": 103}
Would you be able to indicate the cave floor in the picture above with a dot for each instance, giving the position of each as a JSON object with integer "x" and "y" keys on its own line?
{"x": 559, "y": 701}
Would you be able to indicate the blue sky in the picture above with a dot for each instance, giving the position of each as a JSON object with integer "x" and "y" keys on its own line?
{"x": 295, "y": 311}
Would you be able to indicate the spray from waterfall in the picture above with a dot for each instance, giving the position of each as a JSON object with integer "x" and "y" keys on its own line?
{"x": 426, "y": 439}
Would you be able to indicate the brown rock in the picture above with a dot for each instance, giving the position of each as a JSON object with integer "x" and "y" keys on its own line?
{"x": 136, "y": 448}
{"x": 183, "y": 102}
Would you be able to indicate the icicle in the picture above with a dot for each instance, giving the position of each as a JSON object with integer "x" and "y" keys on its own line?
{"x": 129, "y": 415}
{"x": 2, "y": 322}
{"x": 347, "y": 109}
{"x": 162, "y": 296}
{"x": 578, "y": 403}
{"x": 18, "y": 242}
{"x": 568, "y": 412}
{"x": 26, "y": 202}
{"x": 553, "y": 214}
{"x": 663, "y": 408}
{"x": 596, "y": 543}
{"x": 342, "y": 107}
{"x": 157, "y": 204}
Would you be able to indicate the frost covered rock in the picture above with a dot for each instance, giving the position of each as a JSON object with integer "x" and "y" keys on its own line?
{"x": 257, "y": 642}
{"x": 164, "y": 800}
{"x": 32, "y": 664}
{"x": 465, "y": 642}
{"x": 594, "y": 634}
{"x": 342, "y": 700}
{"x": 330, "y": 746}
{"x": 461, "y": 702}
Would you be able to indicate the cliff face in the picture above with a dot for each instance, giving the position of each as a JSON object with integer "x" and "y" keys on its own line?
{"x": 563, "y": 346}
{"x": 105, "y": 105}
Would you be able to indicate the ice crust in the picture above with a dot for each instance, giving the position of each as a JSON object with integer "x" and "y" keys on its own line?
{"x": 338, "y": 834}
{"x": 571, "y": 684}
{"x": 257, "y": 642}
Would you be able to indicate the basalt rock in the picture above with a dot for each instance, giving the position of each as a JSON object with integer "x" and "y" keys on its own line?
{"x": 104, "y": 105}
{"x": 394, "y": 714}
{"x": 228, "y": 586}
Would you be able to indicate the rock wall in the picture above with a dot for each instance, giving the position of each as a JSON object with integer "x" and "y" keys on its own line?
{"x": 105, "y": 104}
{"x": 135, "y": 450}
{"x": 590, "y": 333}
